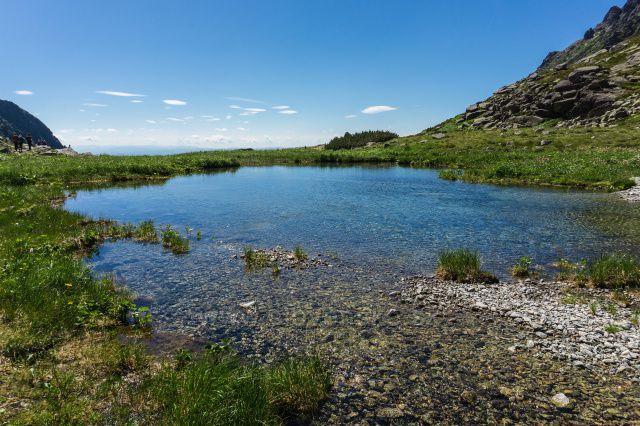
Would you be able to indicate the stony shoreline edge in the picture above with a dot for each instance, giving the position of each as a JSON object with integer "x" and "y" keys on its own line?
{"x": 632, "y": 194}
{"x": 568, "y": 326}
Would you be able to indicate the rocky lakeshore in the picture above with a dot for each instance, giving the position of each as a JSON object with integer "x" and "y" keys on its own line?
{"x": 412, "y": 350}
{"x": 632, "y": 194}
{"x": 584, "y": 327}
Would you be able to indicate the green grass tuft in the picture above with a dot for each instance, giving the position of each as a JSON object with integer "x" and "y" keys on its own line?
{"x": 218, "y": 389}
{"x": 172, "y": 240}
{"x": 462, "y": 265}
{"x": 615, "y": 271}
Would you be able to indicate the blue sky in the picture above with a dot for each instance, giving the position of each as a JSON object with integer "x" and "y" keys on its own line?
{"x": 230, "y": 63}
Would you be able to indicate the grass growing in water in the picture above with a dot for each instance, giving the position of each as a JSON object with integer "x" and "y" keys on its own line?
{"x": 172, "y": 240}
{"x": 522, "y": 269}
{"x": 300, "y": 254}
{"x": 462, "y": 265}
{"x": 255, "y": 259}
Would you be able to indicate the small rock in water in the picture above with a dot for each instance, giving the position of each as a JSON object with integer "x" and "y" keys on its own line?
{"x": 392, "y": 313}
{"x": 247, "y": 305}
{"x": 560, "y": 400}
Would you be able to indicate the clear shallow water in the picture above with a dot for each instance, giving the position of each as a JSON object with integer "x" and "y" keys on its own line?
{"x": 382, "y": 223}
{"x": 398, "y": 217}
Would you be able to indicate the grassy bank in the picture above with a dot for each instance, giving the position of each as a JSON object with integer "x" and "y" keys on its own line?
{"x": 596, "y": 158}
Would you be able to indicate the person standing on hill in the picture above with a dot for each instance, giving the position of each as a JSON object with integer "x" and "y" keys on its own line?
{"x": 29, "y": 140}
{"x": 14, "y": 139}
{"x": 20, "y": 142}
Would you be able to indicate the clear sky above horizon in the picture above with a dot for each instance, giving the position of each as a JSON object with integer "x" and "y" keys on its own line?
{"x": 277, "y": 73}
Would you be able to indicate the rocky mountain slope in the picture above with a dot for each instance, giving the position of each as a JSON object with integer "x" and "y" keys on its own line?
{"x": 594, "y": 82}
{"x": 15, "y": 119}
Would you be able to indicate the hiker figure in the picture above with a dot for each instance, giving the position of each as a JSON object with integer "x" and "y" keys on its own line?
{"x": 29, "y": 140}
{"x": 20, "y": 142}
{"x": 14, "y": 139}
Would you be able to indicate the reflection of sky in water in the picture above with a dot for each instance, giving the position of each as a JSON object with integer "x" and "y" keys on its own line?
{"x": 398, "y": 217}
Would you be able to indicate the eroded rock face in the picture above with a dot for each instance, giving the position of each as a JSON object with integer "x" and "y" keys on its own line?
{"x": 594, "y": 82}
{"x": 592, "y": 93}
{"x": 618, "y": 24}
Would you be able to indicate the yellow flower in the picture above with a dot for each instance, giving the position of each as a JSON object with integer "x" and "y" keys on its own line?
{"x": 68, "y": 285}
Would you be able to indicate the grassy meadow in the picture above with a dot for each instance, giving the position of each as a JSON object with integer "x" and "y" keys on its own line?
{"x": 594, "y": 158}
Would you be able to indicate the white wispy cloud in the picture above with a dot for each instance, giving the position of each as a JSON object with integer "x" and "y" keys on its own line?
{"x": 350, "y": 116}
{"x": 228, "y": 117}
{"x": 111, "y": 130}
{"x": 90, "y": 104}
{"x": 235, "y": 107}
{"x": 255, "y": 109}
{"x": 120, "y": 94}
{"x": 213, "y": 119}
{"x": 221, "y": 129}
{"x": 151, "y": 121}
{"x": 280, "y": 107}
{"x": 174, "y": 102}
{"x": 242, "y": 129}
{"x": 23, "y": 92}
{"x": 136, "y": 101}
{"x": 251, "y": 101}
{"x": 174, "y": 119}
{"x": 288, "y": 112}
{"x": 188, "y": 118}
{"x": 378, "y": 109}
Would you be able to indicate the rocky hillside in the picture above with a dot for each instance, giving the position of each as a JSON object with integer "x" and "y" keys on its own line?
{"x": 594, "y": 82}
{"x": 15, "y": 119}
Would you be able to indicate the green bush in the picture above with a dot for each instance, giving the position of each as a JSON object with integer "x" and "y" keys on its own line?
{"x": 462, "y": 265}
{"x": 349, "y": 141}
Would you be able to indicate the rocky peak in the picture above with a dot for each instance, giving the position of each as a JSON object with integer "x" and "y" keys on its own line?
{"x": 618, "y": 24}
{"x": 594, "y": 82}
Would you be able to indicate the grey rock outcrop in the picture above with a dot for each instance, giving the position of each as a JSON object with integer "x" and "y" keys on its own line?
{"x": 594, "y": 82}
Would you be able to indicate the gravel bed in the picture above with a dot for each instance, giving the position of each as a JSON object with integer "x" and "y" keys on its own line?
{"x": 582, "y": 326}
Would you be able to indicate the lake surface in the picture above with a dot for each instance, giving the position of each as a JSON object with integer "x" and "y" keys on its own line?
{"x": 381, "y": 223}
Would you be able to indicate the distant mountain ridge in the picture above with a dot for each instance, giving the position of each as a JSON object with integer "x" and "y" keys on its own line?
{"x": 15, "y": 119}
{"x": 593, "y": 82}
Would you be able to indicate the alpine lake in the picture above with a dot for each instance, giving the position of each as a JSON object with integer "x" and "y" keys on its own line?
{"x": 366, "y": 228}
